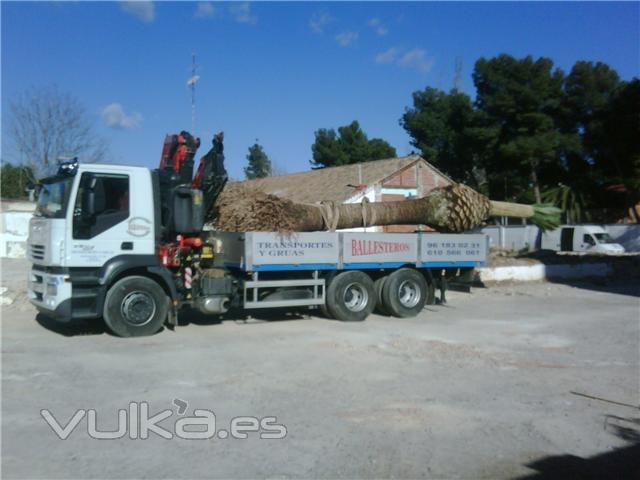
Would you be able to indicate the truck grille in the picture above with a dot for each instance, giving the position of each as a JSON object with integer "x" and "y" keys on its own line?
{"x": 37, "y": 252}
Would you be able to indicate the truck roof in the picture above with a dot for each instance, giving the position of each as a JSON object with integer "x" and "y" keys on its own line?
{"x": 109, "y": 166}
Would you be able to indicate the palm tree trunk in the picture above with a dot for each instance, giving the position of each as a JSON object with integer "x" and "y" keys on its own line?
{"x": 536, "y": 185}
{"x": 455, "y": 208}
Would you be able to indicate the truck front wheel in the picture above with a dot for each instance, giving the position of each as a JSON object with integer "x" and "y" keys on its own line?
{"x": 351, "y": 296}
{"x": 135, "y": 307}
{"x": 404, "y": 293}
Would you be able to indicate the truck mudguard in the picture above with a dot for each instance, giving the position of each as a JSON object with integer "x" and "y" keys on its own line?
{"x": 121, "y": 263}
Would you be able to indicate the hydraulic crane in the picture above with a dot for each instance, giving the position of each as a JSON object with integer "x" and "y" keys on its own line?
{"x": 186, "y": 200}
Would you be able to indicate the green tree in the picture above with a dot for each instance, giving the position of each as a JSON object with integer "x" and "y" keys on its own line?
{"x": 349, "y": 145}
{"x": 521, "y": 100}
{"x": 14, "y": 180}
{"x": 534, "y": 134}
{"x": 259, "y": 163}
{"x": 621, "y": 129}
{"x": 445, "y": 128}
{"x": 379, "y": 149}
{"x": 601, "y": 117}
{"x": 588, "y": 92}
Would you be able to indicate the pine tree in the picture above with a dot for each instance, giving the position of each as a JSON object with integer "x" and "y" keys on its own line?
{"x": 346, "y": 146}
{"x": 259, "y": 163}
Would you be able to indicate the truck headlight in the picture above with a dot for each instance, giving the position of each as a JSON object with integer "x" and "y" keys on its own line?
{"x": 52, "y": 285}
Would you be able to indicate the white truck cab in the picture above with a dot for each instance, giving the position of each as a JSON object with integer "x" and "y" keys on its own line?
{"x": 74, "y": 237}
{"x": 580, "y": 238}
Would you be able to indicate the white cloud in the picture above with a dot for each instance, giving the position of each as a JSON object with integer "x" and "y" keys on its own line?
{"x": 346, "y": 38}
{"x": 388, "y": 56}
{"x": 114, "y": 116}
{"x": 204, "y": 10}
{"x": 143, "y": 10}
{"x": 418, "y": 59}
{"x": 382, "y": 30}
{"x": 378, "y": 27}
{"x": 319, "y": 21}
{"x": 241, "y": 12}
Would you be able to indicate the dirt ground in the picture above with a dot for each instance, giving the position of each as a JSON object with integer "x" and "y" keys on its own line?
{"x": 478, "y": 388}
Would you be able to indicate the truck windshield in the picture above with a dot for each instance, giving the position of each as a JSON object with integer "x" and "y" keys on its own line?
{"x": 53, "y": 197}
{"x": 603, "y": 237}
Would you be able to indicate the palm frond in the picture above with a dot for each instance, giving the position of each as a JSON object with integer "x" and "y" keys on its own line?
{"x": 546, "y": 216}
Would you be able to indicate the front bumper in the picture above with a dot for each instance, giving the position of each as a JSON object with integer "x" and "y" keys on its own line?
{"x": 50, "y": 293}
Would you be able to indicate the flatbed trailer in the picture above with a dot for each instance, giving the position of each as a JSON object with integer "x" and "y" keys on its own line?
{"x": 298, "y": 269}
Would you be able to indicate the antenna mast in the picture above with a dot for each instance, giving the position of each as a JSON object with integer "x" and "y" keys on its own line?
{"x": 457, "y": 75}
{"x": 191, "y": 83}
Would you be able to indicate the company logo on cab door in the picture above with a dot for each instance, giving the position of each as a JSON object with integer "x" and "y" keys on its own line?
{"x": 374, "y": 247}
{"x": 139, "y": 227}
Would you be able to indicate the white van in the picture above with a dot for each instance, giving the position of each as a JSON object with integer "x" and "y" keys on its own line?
{"x": 580, "y": 238}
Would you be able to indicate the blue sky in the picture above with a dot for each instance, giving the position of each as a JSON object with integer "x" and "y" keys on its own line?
{"x": 279, "y": 71}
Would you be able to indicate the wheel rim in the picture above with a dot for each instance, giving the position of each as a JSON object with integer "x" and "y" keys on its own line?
{"x": 356, "y": 297}
{"x": 409, "y": 293}
{"x": 138, "y": 308}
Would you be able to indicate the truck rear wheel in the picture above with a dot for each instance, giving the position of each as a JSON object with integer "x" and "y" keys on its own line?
{"x": 404, "y": 293}
{"x": 351, "y": 296}
{"x": 378, "y": 286}
{"x": 323, "y": 308}
{"x": 325, "y": 311}
{"x": 135, "y": 307}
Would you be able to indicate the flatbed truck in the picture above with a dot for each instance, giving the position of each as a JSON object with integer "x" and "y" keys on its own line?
{"x": 124, "y": 244}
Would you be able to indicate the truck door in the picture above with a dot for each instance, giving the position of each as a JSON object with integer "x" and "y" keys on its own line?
{"x": 566, "y": 240}
{"x": 101, "y": 220}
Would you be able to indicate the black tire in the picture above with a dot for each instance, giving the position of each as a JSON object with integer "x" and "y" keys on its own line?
{"x": 351, "y": 296}
{"x": 325, "y": 311}
{"x": 404, "y": 293}
{"x": 323, "y": 308}
{"x": 135, "y": 307}
{"x": 377, "y": 286}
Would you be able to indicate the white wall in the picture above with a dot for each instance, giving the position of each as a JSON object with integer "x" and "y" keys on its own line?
{"x": 526, "y": 236}
{"x": 530, "y": 273}
{"x": 515, "y": 237}
{"x": 626, "y": 235}
{"x": 14, "y": 229}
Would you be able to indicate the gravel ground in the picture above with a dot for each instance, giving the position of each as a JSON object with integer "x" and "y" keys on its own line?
{"x": 479, "y": 388}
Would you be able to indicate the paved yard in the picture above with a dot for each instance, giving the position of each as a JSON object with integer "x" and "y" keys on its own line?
{"x": 478, "y": 388}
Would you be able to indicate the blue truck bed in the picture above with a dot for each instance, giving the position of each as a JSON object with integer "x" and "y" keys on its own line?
{"x": 269, "y": 251}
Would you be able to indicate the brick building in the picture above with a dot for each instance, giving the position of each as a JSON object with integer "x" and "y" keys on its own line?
{"x": 379, "y": 181}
